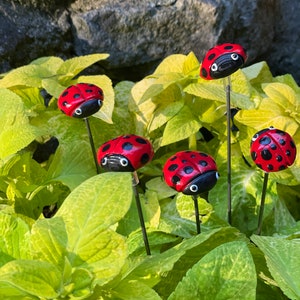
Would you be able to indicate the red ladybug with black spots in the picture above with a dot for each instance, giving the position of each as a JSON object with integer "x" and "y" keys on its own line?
{"x": 125, "y": 153}
{"x": 222, "y": 60}
{"x": 191, "y": 172}
{"x": 81, "y": 100}
{"x": 273, "y": 150}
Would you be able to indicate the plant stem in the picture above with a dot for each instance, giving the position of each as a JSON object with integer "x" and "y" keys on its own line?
{"x": 193, "y": 142}
{"x": 262, "y": 203}
{"x": 195, "y": 198}
{"x": 228, "y": 108}
{"x": 87, "y": 123}
{"x": 135, "y": 182}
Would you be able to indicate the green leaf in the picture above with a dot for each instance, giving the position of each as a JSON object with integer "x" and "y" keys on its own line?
{"x": 180, "y": 127}
{"x": 14, "y": 241}
{"x": 26, "y": 76}
{"x": 164, "y": 271}
{"x": 15, "y": 129}
{"x": 172, "y": 63}
{"x": 227, "y": 272}
{"x": 29, "y": 278}
{"x": 51, "y": 63}
{"x": 49, "y": 240}
{"x": 191, "y": 64}
{"x": 164, "y": 113}
{"x": 91, "y": 242}
{"x": 283, "y": 260}
{"x": 73, "y": 66}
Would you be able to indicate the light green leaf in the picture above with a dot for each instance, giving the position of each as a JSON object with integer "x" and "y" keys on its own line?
{"x": 51, "y": 63}
{"x": 71, "y": 164}
{"x": 15, "y": 130}
{"x": 14, "y": 241}
{"x": 73, "y": 66}
{"x": 28, "y": 76}
{"x": 105, "y": 113}
{"x": 49, "y": 240}
{"x": 180, "y": 127}
{"x": 172, "y": 63}
{"x": 164, "y": 113}
{"x": 29, "y": 278}
{"x": 227, "y": 272}
{"x": 258, "y": 73}
{"x": 95, "y": 209}
{"x": 53, "y": 87}
{"x": 191, "y": 64}
{"x": 283, "y": 260}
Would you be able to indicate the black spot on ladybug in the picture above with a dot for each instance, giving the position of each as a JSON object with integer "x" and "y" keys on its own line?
{"x": 228, "y": 47}
{"x": 141, "y": 141}
{"x": 127, "y": 146}
{"x": 173, "y": 167}
{"x": 65, "y": 93}
{"x": 282, "y": 142}
{"x": 184, "y": 161}
{"x": 266, "y": 154}
{"x": 204, "y": 73}
{"x": 279, "y": 158}
{"x": 270, "y": 167}
{"x": 88, "y": 91}
{"x": 188, "y": 170}
{"x": 145, "y": 158}
{"x": 65, "y": 103}
{"x": 211, "y": 57}
{"x": 106, "y": 147}
{"x": 273, "y": 146}
{"x": 76, "y": 96}
{"x": 175, "y": 179}
{"x": 292, "y": 144}
{"x": 265, "y": 140}
{"x": 282, "y": 167}
{"x": 193, "y": 156}
{"x": 173, "y": 158}
{"x": 282, "y": 133}
{"x": 253, "y": 155}
{"x": 202, "y": 163}
{"x": 126, "y": 137}
{"x": 204, "y": 154}
{"x": 259, "y": 165}
{"x": 288, "y": 152}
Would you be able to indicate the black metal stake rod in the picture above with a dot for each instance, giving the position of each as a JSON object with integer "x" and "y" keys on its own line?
{"x": 228, "y": 108}
{"x": 262, "y": 203}
{"x": 87, "y": 123}
{"x": 135, "y": 182}
{"x": 198, "y": 222}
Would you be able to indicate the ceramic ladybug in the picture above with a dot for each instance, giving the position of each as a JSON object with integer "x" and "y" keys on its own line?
{"x": 125, "y": 153}
{"x": 81, "y": 100}
{"x": 191, "y": 172}
{"x": 273, "y": 150}
{"x": 222, "y": 60}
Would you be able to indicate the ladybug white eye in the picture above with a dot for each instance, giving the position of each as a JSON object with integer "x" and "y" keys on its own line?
{"x": 124, "y": 162}
{"x": 104, "y": 161}
{"x": 254, "y": 138}
{"x": 194, "y": 188}
{"x": 234, "y": 56}
{"x": 214, "y": 67}
{"x": 217, "y": 175}
{"x": 78, "y": 111}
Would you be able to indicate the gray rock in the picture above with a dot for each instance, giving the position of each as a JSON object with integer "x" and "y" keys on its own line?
{"x": 139, "y": 34}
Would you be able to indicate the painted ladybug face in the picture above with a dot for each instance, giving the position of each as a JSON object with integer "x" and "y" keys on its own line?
{"x": 222, "y": 60}
{"x": 125, "y": 153}
{"x": 191, "y": 172}
{"x": 80, "y": 100}
{"x": 273, "y": 150}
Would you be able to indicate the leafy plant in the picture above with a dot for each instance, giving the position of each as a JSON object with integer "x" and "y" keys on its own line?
{"x": 92, "y": 247}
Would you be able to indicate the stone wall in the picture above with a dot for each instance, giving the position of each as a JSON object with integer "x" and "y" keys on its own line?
{"x": 138, "y": 34}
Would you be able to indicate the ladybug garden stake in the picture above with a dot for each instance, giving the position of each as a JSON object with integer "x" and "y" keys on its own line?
{"x": 128, "y": 153}
{"x": 81, "y": 101}
{"x": 192, "y": 173}
{"x": 220, "y": 62}
{"x": 272, "y": 150}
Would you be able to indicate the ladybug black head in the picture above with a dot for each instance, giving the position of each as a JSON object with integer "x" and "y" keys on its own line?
{"x": 202, "y": 183}
{"x": 116, "y": 163}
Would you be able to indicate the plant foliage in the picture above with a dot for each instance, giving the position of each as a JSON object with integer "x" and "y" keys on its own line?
{"x": 92, "y": 247}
